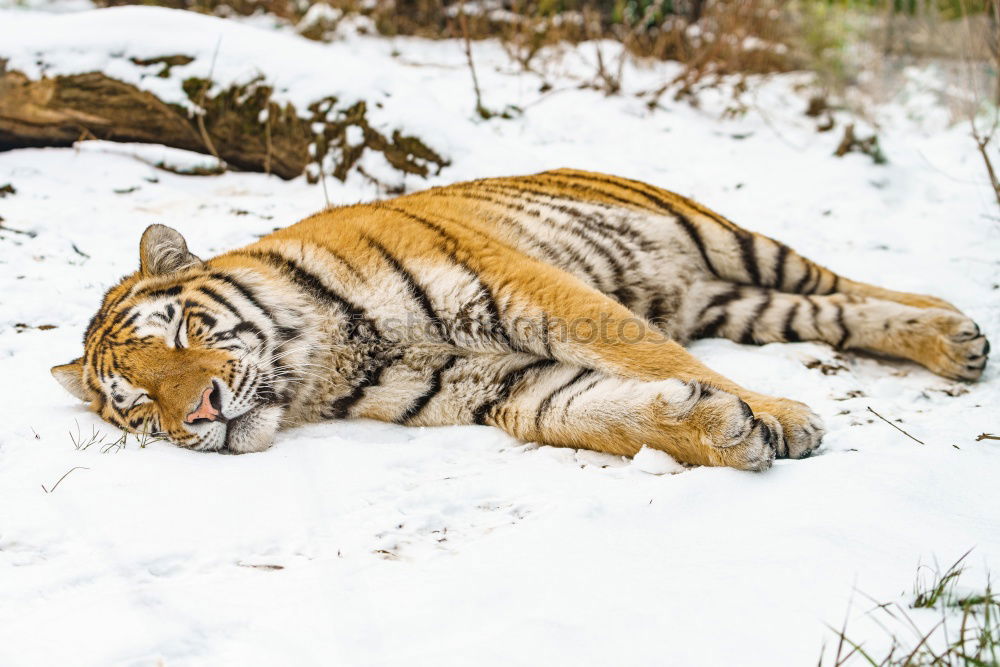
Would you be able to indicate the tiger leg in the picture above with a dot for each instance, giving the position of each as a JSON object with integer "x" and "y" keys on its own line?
{"x": 731, "y": 253}
{"x": 728, "y": 252}
{"x": 944, "y": 341}
{"x": 557, "y": 317}
{"x": 754, "y": 259}
{"x": 560, "y": 404}
{"x": 855, "y": 288}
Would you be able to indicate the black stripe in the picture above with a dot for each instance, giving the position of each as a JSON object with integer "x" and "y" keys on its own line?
{"x": 433, "y": 387}
{"x": 590, "y": 222}
{"x": 833, "y": 282}
{"x": 507, "y": 386}
{"x": 547, "y": 401}
{"x": 112, "y": 329}
{"x": 814, "y": 313}
{"x": 556, "y": 256}
{"x": 245, "y": 292}
{"x": 252, "y": 372}
{"x": 721, "y": 299}
{"x": 692, "y": 232}
{"x": 614, "y": 233}
{"x": 113, "y": 325}
{"x": 799, "y": 286}
{"x": 92, "y": 325}
{"x": 340, "y": 258}
{"x": 265, "y": 392}
{"x": 746, "y": 338}
{"x": 582, "y": 265}
{"x": 98, "y": 319}
{"x": 548, "y": 343}
{"x": 748, "y": 253}
{"x": 622, "y": 292}
{"x": 779, "y": 266}
{"x": 544, "y": 247}
{"x": 518, "y": 191}
{"x": 284, "y": 333}
{"x": 811, "y": 288}
{"x": 452, "y": 244}
{"x": 686, "y": 224}
{"x": 559, "y": 256}
{"x": 249, "y": 327}
{"x": 93, "y": 386}
{"x": 358, "y": 322}
{"x": 580, "y": 393}
{"x": 129, "y": 322}
{"x": 845, "y": 334}
{"x": 690, "y": 228}
{"x": 788, "y": 330}
{"x": 219, "y": 299}
{"x": 711, "y": 329}
{"x": 656, "y": 308}
{"x": 155, "y": 293}
{"x": 578, "y": 226}
{"x": 652, "y": 193}
{"x": 418, "y": 292}
{"x": 205, "y": 317}
{"x": 523, "y": 233}
{"x": 554, "y": 178}
{"x": 371, "y": 377}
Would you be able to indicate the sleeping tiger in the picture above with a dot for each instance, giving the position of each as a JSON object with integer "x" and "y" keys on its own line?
{"x": 552, "y": 306}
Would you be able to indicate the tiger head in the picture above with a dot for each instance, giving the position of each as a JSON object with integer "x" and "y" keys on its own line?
{"x": 200, "y": 354}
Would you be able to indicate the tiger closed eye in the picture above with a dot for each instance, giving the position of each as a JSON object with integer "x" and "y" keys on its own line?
{"x": 139, "y": 400}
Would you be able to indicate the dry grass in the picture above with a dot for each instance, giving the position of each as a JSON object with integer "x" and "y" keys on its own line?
{"x": 109, "y": 443}
{"x": 967, "y": 634}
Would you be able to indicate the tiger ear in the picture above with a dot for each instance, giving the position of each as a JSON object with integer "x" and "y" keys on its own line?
{"x": 163, "y": 250}
{"x": 70, "y": 376}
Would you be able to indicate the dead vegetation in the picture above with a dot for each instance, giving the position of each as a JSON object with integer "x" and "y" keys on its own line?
{"x": 851, "y": 143}
{"x": 241, "y": 126}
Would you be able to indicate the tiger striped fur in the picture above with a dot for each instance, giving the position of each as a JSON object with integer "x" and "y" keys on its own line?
{"x": 553, "y": 306}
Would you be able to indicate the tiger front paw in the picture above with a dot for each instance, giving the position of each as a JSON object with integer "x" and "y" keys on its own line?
{"x": 732, "y": 433}
{"x": 800, "y": 429}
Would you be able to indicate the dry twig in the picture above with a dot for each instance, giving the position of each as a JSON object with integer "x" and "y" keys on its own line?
{"x": 894, "y": 426}
{"x": 201, "y": 103}
{"x": 463, "y": 23}
{"x": 982, "y": 137}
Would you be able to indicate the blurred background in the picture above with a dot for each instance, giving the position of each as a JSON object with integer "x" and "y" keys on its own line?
{"x": 858, "y": 55}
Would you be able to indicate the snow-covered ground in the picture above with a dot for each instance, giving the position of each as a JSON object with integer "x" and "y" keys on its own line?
{"x": 360, "y": 543}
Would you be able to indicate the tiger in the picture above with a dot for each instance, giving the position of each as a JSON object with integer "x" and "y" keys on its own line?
{"x": 553, "y": 306}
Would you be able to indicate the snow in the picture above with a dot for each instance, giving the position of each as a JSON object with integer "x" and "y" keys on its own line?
{"x": 361, "y": 543}
{"x": 655, "y": 462}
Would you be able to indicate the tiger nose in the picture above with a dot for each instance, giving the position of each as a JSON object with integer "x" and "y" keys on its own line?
{"x": 207, "y": 409}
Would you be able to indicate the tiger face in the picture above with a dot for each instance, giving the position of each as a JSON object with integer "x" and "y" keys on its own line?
{"x": 184, "y": 351}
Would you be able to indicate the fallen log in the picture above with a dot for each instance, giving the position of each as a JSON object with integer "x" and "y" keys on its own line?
{"x": 240, "y": 125}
